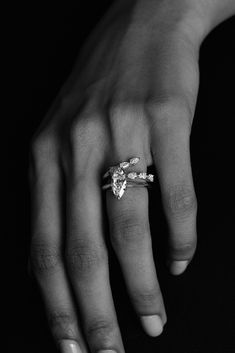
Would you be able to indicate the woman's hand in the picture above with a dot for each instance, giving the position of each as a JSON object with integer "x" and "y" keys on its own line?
{"x": 132, "y": 93}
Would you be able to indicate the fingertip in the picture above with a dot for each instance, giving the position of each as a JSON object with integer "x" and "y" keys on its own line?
{"x": 152, "y": 325}
{"x": 178, "y": 267}
{"x": 69, "y": 346}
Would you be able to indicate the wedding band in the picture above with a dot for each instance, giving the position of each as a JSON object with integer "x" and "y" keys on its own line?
{"x": 118, "y": 179}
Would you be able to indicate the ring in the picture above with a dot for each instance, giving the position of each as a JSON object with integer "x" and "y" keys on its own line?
{"x": 118, "y": 179}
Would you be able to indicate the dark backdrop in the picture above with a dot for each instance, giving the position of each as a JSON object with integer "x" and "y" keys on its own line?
{"x": 200, "y": 304}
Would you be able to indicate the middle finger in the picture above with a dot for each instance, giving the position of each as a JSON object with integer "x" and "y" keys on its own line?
{"x": 86, "y": 251}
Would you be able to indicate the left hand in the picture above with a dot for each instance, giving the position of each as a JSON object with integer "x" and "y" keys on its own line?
{"x": 132, "y": 93}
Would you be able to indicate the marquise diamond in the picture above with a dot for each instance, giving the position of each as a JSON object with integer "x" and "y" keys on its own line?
{"x": 119, "y": 183}
{"x": 134, "y": 160}
{"x": 124, "y": 165}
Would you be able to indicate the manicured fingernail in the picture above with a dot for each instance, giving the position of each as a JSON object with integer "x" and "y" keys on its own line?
{"x": 107, "y": 351}
{"x": 177, "y": 267}
{"x": 152, "y": 325}
{"x": 69, "y": 346}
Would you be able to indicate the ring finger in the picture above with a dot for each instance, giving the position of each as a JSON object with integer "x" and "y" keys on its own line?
{"x": 131, "y": 240}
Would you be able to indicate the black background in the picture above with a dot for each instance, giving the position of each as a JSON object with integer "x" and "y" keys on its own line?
{"x": 200, "y": 304}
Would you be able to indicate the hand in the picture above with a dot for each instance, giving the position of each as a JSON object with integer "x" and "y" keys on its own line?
{"x": 132, "y": 93}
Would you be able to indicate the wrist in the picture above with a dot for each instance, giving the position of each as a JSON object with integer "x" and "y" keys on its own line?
{"x": 205, "y": 15}
{"x": 171, "y": 17}
{"x": 193, "y": 18}
{"x": 217, "y": 11}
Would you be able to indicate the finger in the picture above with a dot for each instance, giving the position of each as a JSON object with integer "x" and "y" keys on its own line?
{"x": 87, "y": 255}
{"x": 131, "y": 240}
{"x": 171, "y": 152}
{"x": 46, "y": 251}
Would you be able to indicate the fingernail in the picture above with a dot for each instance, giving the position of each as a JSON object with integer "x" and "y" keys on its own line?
{"x": 69, "y": 346}
{"x": 152, "y": 324}
{"x": 177, "y": 267}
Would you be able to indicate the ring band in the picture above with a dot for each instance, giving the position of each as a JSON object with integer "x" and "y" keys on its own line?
{"x": 117, "y": 179}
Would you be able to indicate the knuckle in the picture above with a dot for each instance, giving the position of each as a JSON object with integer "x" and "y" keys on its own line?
{"x": 44, "y": 258}
{"x": 87, "y": 141}
{"x": 43, "y": 154}
{"x": 62, "y": 323}
{"x": 101, "y": 330}
{"x": 117, "y": 111}
{"x": 84, "y": 257}
{"x": 180, "y": 200}
{"x": 87, "y": 129}
{"x": 77, "y": 132}
{"x": 180, "y": 249}
{"x": 169, "y": 112}
{"x": 146, "y": 298}
{"x": 129, "y": 230}
{"x": 43, "y": 146}
{"x": 122, "y": 118}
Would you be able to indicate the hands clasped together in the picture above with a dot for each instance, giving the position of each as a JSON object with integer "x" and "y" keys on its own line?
{"x": 132, "y": 93}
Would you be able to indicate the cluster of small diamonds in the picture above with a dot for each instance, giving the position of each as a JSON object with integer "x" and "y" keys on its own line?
{"x": 134, "y": 175}
{"x": 145, "y": 176}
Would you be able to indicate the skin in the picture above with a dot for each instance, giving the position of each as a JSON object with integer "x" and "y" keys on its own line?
{"x": 132, "y": 93}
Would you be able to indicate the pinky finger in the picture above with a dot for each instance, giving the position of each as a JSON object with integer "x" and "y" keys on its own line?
{"x": 61, "y": 312}
{"x": 46, "y": 260}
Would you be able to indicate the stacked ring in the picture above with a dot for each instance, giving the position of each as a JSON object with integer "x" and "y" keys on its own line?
{"x": 117, "y": 179}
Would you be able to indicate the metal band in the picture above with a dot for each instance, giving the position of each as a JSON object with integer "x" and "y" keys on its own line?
{"x": 128, "y": 185}
{"x": 117, "y": 179}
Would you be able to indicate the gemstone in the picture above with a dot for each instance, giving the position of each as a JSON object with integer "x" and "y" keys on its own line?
{"x": 134, "y": 160}
{"x": 132, "y": 175}
{"x": 150, "y": 177}
{"x": 119, "y": 183}
{"x": 124, "y": 165}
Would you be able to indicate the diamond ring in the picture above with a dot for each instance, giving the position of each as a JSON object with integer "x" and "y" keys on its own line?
{"x": 119, "y": 178}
